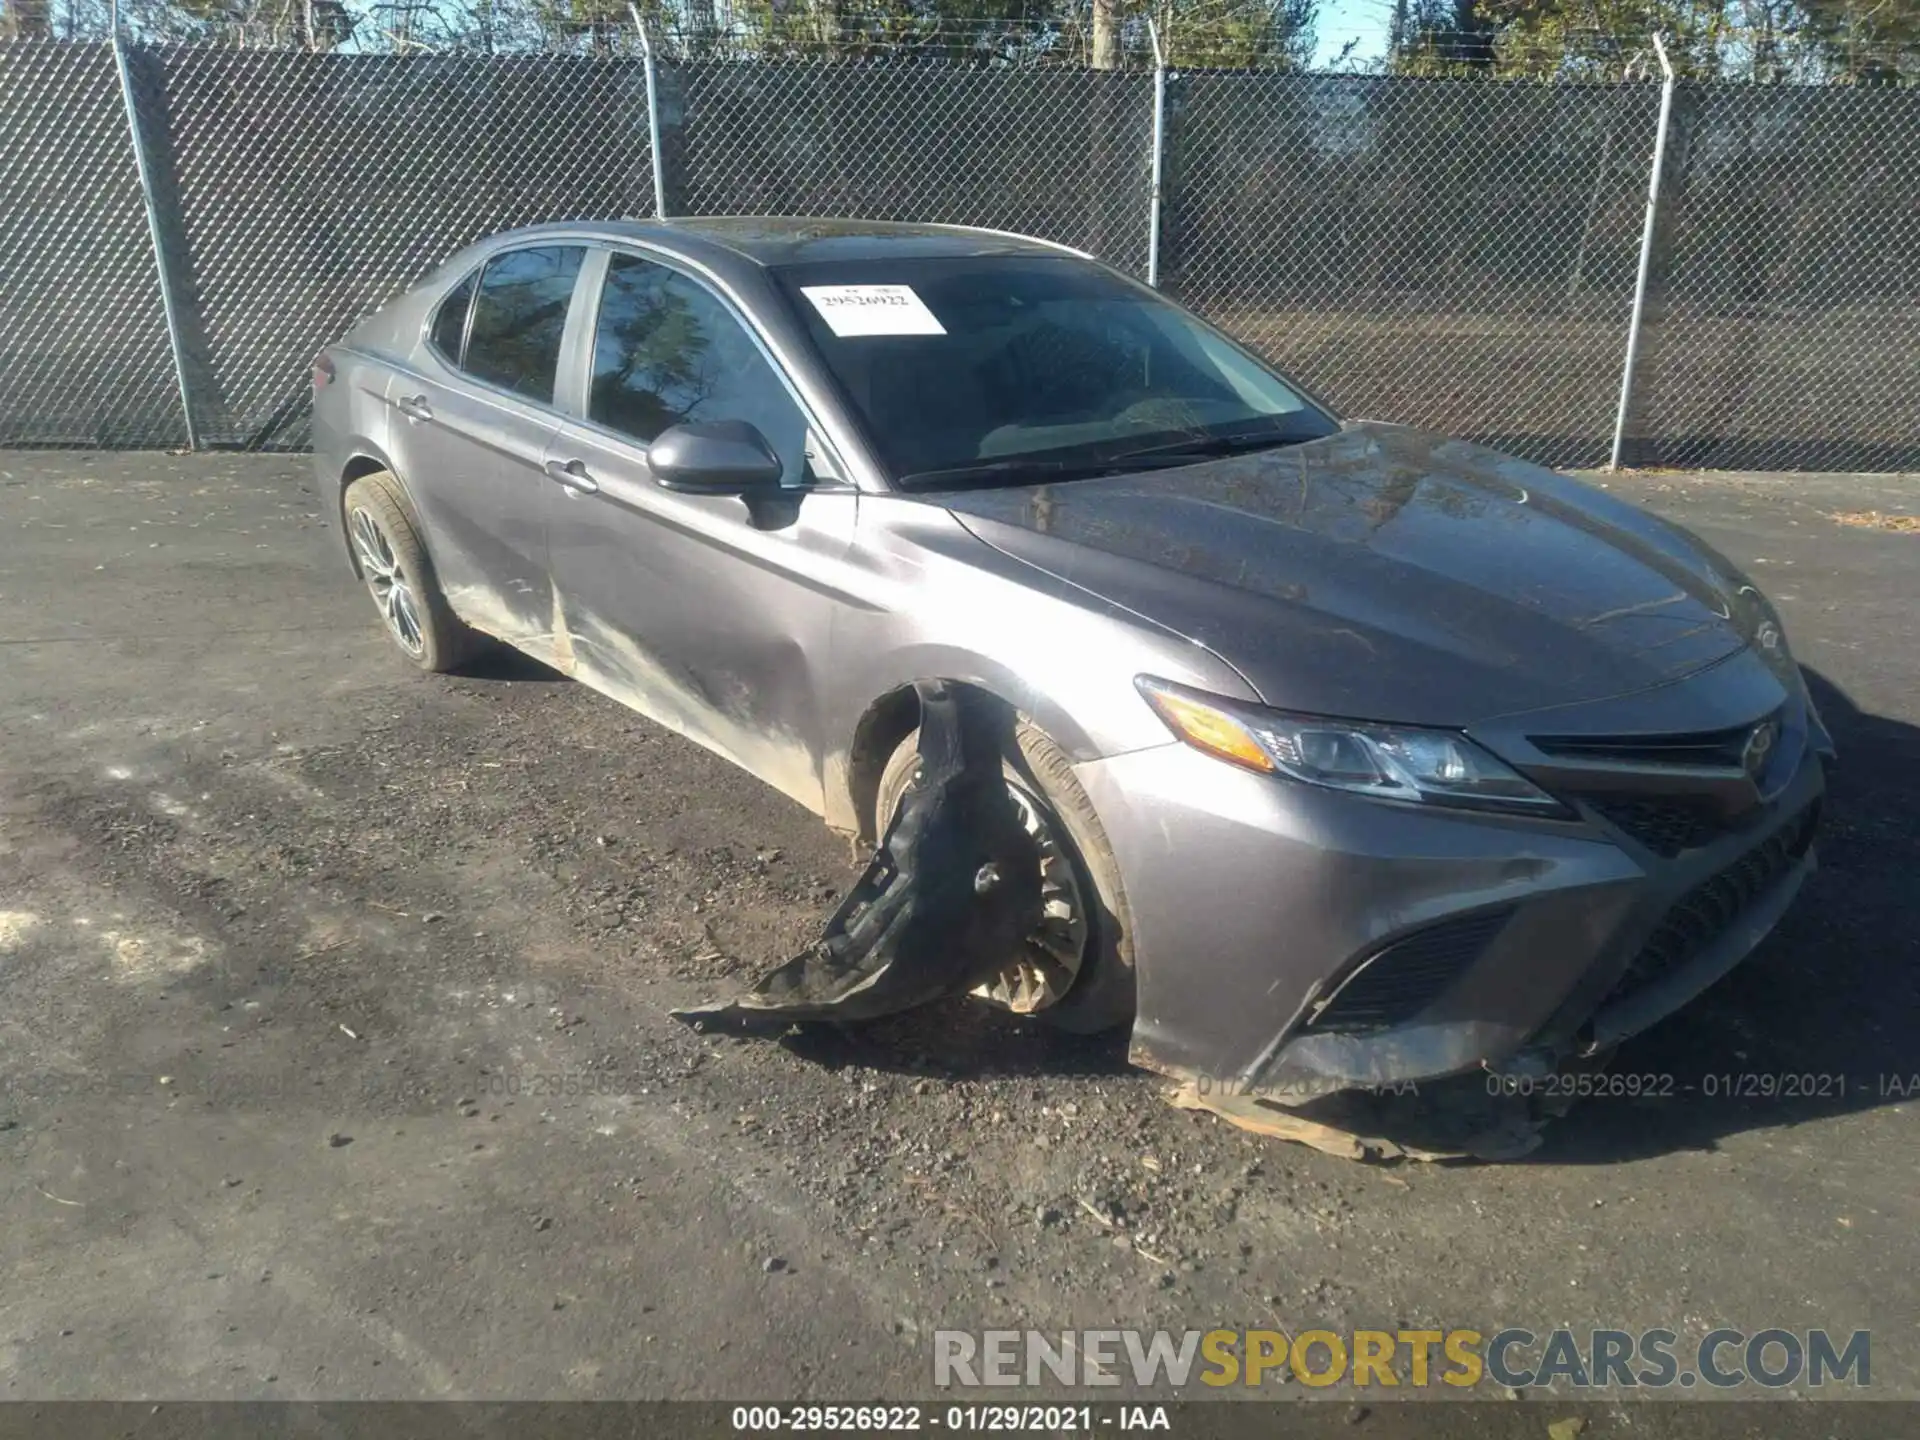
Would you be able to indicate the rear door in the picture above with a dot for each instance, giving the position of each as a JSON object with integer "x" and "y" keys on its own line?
{"x": 703, "y": 614}
{"x": 473, "y": 422}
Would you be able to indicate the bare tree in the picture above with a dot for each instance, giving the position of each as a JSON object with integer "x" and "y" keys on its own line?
{"x": 1106, "y": 36}
{"x": 27, "y": 20}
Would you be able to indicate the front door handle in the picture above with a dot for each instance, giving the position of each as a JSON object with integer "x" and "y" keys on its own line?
{"x": 573, "y": 475}
{"x": 415, "y": 407}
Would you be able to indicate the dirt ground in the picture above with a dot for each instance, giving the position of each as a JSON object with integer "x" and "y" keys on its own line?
{"x": 335, "y": 1058}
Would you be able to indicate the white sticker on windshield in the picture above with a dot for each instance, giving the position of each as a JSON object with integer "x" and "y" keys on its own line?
{"x": 873, "y": 310}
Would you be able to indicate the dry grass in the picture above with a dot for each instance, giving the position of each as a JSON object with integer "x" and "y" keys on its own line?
{"x": 1877, "y": 520}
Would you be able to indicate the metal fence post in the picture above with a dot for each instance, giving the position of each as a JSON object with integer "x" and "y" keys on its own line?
{"x": 1647, "y": 234}
{"x": 653, "y": 113}
{"x": 169, "y": 304}
{"x": 1158, "y": 172}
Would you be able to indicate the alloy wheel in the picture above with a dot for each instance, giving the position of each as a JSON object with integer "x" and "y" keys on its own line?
{"x": 1051, "y": 955}
{"x": 387, "y": 580}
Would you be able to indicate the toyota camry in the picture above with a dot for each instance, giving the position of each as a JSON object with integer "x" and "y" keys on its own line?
{"x": 1354, "y": 755}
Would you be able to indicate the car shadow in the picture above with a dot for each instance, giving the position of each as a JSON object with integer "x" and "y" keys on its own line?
{"x": 960, "y": 1039}
{"x": 496, "y": 660}
{"x": 1821, "y": 1019}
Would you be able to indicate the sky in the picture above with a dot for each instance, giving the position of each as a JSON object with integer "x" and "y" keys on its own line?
{"x": 1364, "y": 23}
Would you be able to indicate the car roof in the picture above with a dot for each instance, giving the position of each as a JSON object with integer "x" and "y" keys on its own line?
{"x": 786, "y": 240}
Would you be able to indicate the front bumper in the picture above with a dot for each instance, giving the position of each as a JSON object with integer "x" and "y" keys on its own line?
{"x": 1256, "y": 905}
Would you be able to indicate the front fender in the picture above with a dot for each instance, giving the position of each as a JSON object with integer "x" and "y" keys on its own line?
{"x": 953, "y": 608}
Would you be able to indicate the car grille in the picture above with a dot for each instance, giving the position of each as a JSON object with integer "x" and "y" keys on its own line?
{"x": 1664, "y": 826}
{"x": 1400, "y": 981}
{"x": 1705, "y": 912}
{"x": 1665, "y": 823}
{"x": 1721, "y": 748}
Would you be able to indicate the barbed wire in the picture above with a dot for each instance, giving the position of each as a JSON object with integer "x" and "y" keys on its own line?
{"x": 1194, "y": 35}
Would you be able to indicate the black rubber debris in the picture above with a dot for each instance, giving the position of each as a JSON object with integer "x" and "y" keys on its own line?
{"x": 946, "y": 901}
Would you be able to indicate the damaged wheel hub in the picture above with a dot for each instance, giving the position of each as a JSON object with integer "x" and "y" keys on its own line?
{"x": 1051, "y": 956}
{"x": 1052, "y": 953}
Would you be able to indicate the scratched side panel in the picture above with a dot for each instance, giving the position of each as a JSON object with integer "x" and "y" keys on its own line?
{"x": 946, "y": 605}
{"x": 474, "y": 472}
{"x": 705, "y": 615}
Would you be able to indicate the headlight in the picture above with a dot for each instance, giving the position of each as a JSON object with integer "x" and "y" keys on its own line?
{"x": 1760, "y": 623}
{"x": 1388, "y": 762}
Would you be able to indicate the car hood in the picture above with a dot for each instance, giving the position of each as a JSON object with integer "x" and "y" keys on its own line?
{"x": 1384, "y": 574}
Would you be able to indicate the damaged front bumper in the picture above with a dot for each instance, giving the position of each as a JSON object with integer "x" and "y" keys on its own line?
{"x": 1290, "y": 942}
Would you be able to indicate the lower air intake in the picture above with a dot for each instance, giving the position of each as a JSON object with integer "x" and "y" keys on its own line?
{"x": 1705, "y": 912}
{"x": 1396, "y": 984}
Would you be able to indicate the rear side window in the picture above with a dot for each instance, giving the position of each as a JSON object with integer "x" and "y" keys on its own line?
{"x": 450, "y": 320}
{"x": 518, "y": 318}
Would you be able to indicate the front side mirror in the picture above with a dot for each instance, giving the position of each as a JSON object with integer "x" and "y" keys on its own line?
{"x": 715, "y": 457}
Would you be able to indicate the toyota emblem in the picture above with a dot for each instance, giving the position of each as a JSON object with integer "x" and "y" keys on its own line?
{"x": 1759, "y": 748}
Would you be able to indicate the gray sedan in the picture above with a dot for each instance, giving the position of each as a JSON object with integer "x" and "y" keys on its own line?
{"x": 1355, "y": 755}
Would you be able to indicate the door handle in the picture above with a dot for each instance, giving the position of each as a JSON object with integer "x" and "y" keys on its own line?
{"x": 573, "y": 475}
{"x": 415, "y": 407}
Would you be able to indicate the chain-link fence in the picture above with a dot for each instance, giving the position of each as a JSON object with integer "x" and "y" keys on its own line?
{"x": 1460, "y": 254}
{"x": 299, "y": 191}
{"x": 83, "y": 340}
{"x": 1053, "y": 152}
{"x": 1784, "y": 304}
{"x": 1454, "y": 255}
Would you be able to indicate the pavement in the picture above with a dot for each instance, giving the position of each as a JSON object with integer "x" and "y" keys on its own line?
{"x": 335, "y": 1059}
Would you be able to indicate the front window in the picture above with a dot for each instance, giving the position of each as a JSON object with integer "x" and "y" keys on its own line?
{"x": 666, "y": 350}
{"x": 985, "y": 369}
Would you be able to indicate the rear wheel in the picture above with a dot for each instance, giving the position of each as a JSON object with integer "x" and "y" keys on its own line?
{"x": 393, "y": 563}
{"x": 1075, "y": 969}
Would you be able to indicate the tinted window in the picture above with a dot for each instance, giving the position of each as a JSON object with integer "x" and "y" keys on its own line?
{"x": 518, "y": 318}
{"x": 665, "y": 349}
{"x": 991, "y": 360}
{"x": 450, "y": 320}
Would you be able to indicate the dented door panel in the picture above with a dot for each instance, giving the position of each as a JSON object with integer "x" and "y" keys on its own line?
{"x": 473, "y": 469}
{"x": 698, "y": 613}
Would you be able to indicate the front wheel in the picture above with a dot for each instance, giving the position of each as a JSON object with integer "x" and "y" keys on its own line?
{"x": 392, "y": 561}
{"x": 1075, "y": 969}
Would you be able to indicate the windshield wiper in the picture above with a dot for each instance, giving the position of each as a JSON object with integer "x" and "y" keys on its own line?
{"x": 1021, "y": 469}
{"x": 1205, "y": 447}
{"x": 1016, "y": 468}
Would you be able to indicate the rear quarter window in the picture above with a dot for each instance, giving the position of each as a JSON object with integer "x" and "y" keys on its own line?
{"x": 449, "y": 329}
{"x": 519, "y": 315}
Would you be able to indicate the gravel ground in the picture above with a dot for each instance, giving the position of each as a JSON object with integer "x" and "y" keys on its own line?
{"x": 335, "y": 1058}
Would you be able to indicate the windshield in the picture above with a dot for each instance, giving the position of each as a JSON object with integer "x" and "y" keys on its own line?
{"x": 997, "y": 368}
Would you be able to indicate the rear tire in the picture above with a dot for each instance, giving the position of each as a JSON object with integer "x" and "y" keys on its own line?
{"x": 1101, "y": 995}
{"x": 392, "y": 560}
